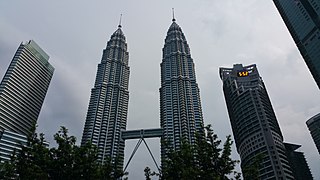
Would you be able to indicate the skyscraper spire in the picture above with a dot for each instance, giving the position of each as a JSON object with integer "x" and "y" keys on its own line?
{"x": 108, "y": 106}
{"x": 180, "y": 106}
{"x": 119, "y": 26}
{"x": 173, "y": 19}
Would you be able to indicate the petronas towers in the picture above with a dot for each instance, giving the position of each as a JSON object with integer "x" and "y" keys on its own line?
{"x": 180, "y": 107}
{"x": 108, "y": 106}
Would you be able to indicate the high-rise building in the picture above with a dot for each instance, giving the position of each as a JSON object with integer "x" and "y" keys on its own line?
{"x": 180, "y": 106}
{"x": 108, "y": 106}
{"x": 254, "y": 124}
{"x": 23, "y": 88}
{"x": 298, "y": 162}
{"x": 302, "y": 20}
{"x": 314, "y": 128}
{"x": 9, "y": 143}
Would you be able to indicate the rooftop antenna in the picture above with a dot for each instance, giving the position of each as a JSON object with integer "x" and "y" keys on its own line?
{"x": 119, "y": 26}
{"x": 173, "y": 19}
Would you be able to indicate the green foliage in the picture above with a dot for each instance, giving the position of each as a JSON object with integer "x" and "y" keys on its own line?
{"x": 67, "y": 161}
{"x": 63, "y": 157}
{"x": 85, "y": 165}
{"x": 110, "y": 170}
{"x": 31, "y": 161}
{"x": 180, "y": 164}
{"x": 7, "y": 170}
{"x": 252, "y": 171}
{"x": 204, "y": 160}
{"x": 147, "y": 173}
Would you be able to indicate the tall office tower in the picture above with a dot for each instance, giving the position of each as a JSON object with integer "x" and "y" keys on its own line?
{"x": 9, "y": 143}
{"x": 254, "y": 124}
{"x": 302, "y": 20}
{"x": 23, "y": 88}
{"x": 108, "y": 106}
{"x": 314, "y": 128}
{"x": 298, "y": 162}
{"x": 180, "y": 106}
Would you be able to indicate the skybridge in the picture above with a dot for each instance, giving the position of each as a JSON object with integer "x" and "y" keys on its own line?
{"x": 141, "y": 134}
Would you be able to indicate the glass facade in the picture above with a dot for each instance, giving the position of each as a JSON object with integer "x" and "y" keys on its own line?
{"x": 314, "y": 128}
{"x": 298, "y": 163}
{"x": 23, "y": 88}
{"x": 10, "y": 142}
{"x": 108, "y": 106}
{"x": 254, "y": 124}
{"x": 180, "y": 106}
{"x": 302, "y": 20}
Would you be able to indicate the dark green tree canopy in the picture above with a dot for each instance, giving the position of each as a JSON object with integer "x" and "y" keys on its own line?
{"x": 206, "y": 160}
{"x": 66, "y": 161}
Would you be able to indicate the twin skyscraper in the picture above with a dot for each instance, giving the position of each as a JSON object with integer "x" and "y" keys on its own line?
{"x": 254, "y": 124}
{"x": 180, "y": 107}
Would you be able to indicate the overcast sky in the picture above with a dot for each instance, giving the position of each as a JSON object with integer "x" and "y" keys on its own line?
{"x": 220, "y": 34}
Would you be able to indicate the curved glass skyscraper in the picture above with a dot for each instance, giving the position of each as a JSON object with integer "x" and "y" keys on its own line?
{"x": 108, "y": 106}
{"x": 314, "y": 128}
{"x": 254, "y": 124}
{"x": 180, "y": 106}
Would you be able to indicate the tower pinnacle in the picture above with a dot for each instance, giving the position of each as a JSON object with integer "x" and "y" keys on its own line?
{"x": 119, "y": 26}
{"x": 173, "y": 19}
{"x": 180, "y": 105}
{"x": 103, "y": 125}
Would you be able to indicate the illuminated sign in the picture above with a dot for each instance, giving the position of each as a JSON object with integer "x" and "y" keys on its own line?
{"x": 243, "y": 73}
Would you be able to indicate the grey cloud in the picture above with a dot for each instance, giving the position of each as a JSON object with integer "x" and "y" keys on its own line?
{"x": 220, "y": 33}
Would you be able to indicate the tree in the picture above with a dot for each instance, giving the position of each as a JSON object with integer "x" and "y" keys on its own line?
{"x": 180, "y": 164}
{"x": 31, "y": 162}
{"x": 63, "y": 157}
{"x": 109, "y": 170}
{"x": 251, "y": 171}
{"x": 73, "y": 162}
{"x": 213, "y": 160}
{"x": 67, "y": 161}
{"x": 7, "y": 170}
{"x": 147, "y": 173}
{"x": 204, "y": 160}
{"x": 85, "y": 165}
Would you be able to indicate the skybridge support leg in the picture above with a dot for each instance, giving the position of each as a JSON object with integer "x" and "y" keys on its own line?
{"x": 151, "y": 155}
{"x": 135, "y": 150}
{"x": 132, "y": 154}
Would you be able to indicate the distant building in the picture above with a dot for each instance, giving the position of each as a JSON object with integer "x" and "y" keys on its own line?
{"x": 108, "y": 106}
{"x": 180, "y": 105}
{"x": 254, "y": 124}
{"x": 23, "y": 88}
{"x": 298, "y": 162}
{"x": 314, "y": 128}
{"x": 22, "y": 92}
{"x": 302, "y": 20}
